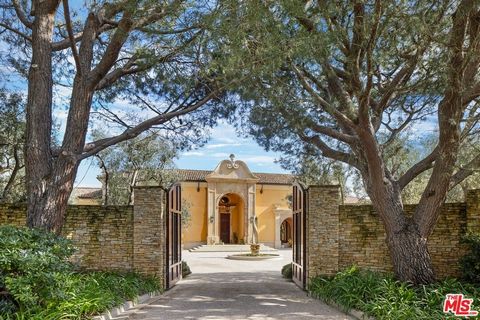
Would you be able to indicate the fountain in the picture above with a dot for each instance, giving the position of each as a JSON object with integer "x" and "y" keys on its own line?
{"x": 254, "y": 254}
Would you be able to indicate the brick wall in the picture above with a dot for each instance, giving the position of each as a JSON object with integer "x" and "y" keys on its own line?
{"x": 112, "y": 237}
{"x": 356, "y": 235}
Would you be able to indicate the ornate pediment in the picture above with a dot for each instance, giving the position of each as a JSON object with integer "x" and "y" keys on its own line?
{"x": 232, "y": 171}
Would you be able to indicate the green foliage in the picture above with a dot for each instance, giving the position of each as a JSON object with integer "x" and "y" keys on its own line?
{"x": 381, "y": 296}
{"x": 287, "y": 271}
{"x": 40, "y": 283}
{"x": 144, "y": 160}
{"x": 12, "y": 129}
{"x": 185, "y": 269}
{"x": 470, "y": 263}
{"x": 30, "y": 263}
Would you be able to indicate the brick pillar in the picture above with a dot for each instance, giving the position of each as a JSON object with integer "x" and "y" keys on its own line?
{"x": 149, "y": 232}
{"x": 473, "y": 210}
{"x": 322, "y": 230}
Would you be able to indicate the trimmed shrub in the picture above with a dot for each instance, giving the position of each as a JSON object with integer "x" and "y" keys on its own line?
{"x": 470, "y": 263}
{"x": 185, "y": 269}
{"x": 287, "y": 271}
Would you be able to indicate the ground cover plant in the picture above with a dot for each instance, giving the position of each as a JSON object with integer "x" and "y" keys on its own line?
{"x": 381, "y": 296}
{"x": 38, "y": 282}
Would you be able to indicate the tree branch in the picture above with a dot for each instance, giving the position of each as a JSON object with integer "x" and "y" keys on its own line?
{"x": 99, "y": 145}
{"x": 18, "y": 32}
{"x": 333, "y": 133}
{"x": 465, "y": 171}
{"x": 113, "y": 49}
{"x": 21, "y": 14}
{"x": 329, "y": 152}
{"x": 344, "y": 120}
{"x": 68, "y": 22}
{"x": 131, "y": 66}
{"x": 421, "y": 166}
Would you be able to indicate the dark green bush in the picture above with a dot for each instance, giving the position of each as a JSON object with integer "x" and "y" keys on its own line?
{"x": 470, "y": 263}
{"x": 287, "y": 271}
{"x": 185, "y": 269}
{"x": 38, "y": 282}
{"x": 30, "y": 263}
{"x": 379, "y": 295}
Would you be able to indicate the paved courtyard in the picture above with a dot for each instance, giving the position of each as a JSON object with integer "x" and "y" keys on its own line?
{"x": 228, "y": 289}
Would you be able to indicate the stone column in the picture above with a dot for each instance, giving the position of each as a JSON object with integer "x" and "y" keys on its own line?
{"x": 252, "y": 234}
{"x": 149, "y": 232}
{"x": 322, "y": 230}
{"x": 212, "y": 215}
{"x": 278, "y": 222}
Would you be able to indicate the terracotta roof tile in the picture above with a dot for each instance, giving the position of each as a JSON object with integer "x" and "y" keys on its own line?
{"x": 88, "y": 193}
{"x": 265, "y": 178}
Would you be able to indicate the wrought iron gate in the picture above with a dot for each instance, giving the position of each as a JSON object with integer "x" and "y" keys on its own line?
{"x": 174, "y": 236}
{"x": 299, "y": 228}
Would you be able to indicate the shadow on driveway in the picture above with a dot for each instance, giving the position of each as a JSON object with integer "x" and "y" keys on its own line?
{"x": 237, "y": 295}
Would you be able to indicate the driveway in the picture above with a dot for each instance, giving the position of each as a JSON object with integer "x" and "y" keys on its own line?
{"x": 228, "y": 289}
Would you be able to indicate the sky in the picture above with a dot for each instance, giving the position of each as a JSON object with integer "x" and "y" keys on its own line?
{"x": 223, "y": 142}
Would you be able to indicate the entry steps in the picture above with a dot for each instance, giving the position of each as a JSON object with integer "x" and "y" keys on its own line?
{"x": 229, "y": 248}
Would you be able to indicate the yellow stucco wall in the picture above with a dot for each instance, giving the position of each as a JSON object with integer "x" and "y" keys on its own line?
{"x": 197, "y": 230}
{"x": 266, "y": 201}
{"x": 271, "y": 196}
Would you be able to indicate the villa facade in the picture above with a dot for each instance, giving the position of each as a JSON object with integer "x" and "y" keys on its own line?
{"x": 229, "y": 205}
{"x": 233, "y": 205}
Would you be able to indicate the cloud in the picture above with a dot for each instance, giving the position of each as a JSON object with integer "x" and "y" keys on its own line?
{"x": 219, "y": 155}
{"x": 193, "y": 153}
{"x": 259, "y": 160}
{"x": 222, "y": 145}
{"x": 225, "y": 133}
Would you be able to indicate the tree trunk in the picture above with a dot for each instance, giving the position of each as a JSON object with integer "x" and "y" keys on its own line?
{"x": 48, "y": 212}
{"x": 408, "y": 249}
{"x": 105, "y": 181}
{"x": 133, "y": 183}
{"x": 409, "y": 253}
{"x": 38, "y": 157}
{"x": 13, "y": 175}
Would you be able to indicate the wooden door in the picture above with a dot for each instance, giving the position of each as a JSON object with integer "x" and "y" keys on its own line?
{"x": 225, "y": 227}
{"x": 174, "y": 236}
{"x": 299, "y": 228}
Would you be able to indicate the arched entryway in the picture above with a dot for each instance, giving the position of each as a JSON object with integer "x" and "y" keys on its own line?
{"x": 286, "y": 233}
{"x": 231, "y": 214}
